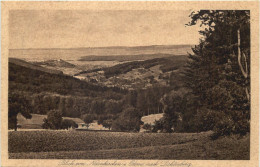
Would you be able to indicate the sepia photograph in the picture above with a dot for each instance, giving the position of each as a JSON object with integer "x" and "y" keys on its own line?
{"x": 142, "y": 84}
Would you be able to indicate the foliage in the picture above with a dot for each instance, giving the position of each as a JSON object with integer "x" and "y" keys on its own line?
{"x": 213, "y": 72}
{"x": 17, "y": 103}
{"x": 158, "y": 125}
{"x": 147, "y": 127}
{"x": 107, "y": 123}
{"x": 174, "y": 105}
{"x": 128, "y": 120}
{"x": 67, "y": 123}
{"x": 53, "y": 121}
{"x": 88, "y": 118}
{"x": 72, "y": 97}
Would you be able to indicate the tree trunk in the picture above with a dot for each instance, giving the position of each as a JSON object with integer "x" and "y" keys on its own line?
{"x": 244, "y": 71}
{"x": 15, "y": 127}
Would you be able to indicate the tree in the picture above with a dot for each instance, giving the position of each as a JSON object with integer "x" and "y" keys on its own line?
{"x": 88, "y": 118}
{"x": 174, "y": 105}
{"x": 128, "y": 120}
{"x": 53, "y": 121}
{"x": 107, "y": 123}
{"x": 158, "y": 125}
{"x": 147, "y": 127}
{"x": 17, "y": 103}
{"x": 218, "y": 71}
{"x": 67, "y": 123}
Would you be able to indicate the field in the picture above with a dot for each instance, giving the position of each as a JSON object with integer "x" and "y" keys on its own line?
{"x": 120, "y": 145}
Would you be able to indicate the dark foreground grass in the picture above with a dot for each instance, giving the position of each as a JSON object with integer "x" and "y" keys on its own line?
{"x": 46, "y": 141}
{"x": 196, "y": 146}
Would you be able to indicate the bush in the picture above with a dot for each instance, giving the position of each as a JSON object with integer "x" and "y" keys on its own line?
{"x": 66, "y": 124}
{"x": 224, "y": 126}
{"x": 158, "y": 125}
{"x": 222, "y": 123}
{"x": 147, "y": 127}
{"x": 88, "y": 119}
{"x": 53, "y": 121}
{"x": 205, "y": 120}
{"x": 107, "y": 123}
{"x": 128, "y": 120}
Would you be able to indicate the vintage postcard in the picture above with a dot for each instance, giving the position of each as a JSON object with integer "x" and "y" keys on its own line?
{"x": 130, "y": 83}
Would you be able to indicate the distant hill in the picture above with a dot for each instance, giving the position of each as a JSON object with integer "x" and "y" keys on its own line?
{"x": 25, "y": 64}
{"x": 78, "y": 53}
{"x": 133, "y": 75}
{"x": 166, "y": 64}
{"x": 56, "y": 63}
{"x": 123, "y": 58}
{"x": 29, "y": 77}
{"x": 49, "y": 91}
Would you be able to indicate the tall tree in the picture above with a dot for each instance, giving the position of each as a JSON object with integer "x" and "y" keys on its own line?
{"x": 218, "y": 71}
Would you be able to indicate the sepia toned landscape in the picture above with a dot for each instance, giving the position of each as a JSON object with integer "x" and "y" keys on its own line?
{"x": 157, "y": 99}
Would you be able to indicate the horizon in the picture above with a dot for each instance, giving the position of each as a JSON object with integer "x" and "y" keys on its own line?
{"x": 120, "y": 46}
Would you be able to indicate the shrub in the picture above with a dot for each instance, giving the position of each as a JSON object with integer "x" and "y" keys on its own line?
{"x": 128, "y": 120}
{"x": 66, "y": 124}
{"x": 158, "y": 125}
{"x": 205, "y": 120}
{"x": 107, "y": 123}
{"x": 88, "y": 119}
{"x": 224, "y": 125}
{"x": 53, "y": 121}
{"x": 147, "y": 127}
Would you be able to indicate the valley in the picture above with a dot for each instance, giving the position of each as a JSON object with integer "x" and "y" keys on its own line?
{"x": 98, "y": 86}
{"x": 73, "y": 95}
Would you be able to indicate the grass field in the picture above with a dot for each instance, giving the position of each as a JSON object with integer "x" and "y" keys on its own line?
{"x": 119, "y": 145}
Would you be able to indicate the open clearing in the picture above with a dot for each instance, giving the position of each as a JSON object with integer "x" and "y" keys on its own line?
{"x": 120, "y": 145}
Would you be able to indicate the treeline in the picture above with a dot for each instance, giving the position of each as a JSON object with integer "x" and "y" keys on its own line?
{"x": 73, "y": 106}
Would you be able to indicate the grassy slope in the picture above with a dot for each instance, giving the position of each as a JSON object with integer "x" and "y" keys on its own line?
{"x": 102, "y": 145}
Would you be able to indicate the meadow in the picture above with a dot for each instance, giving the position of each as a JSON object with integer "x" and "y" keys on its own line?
{"x": 121, "y": 145}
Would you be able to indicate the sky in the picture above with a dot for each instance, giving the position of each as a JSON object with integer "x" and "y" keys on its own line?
{"x": 97, "y": 28}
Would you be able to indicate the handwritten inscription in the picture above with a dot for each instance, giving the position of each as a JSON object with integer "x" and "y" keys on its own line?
{"x": 124, "y": 163}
